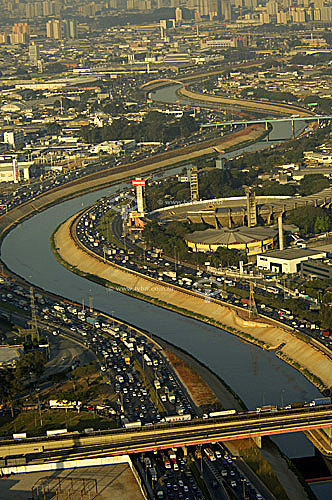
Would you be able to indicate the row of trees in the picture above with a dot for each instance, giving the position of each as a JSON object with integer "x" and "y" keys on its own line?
{"x": 262, "y": 93}
{"x": 12, "y": 380}
{"x": 310, "y": 220}
{"x": 212, "y": 184}
{"x": 155, "y": 126}
{"x": 308, "y": 185}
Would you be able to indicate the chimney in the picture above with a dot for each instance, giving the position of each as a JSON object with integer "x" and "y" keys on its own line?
{"x": 281, "y": 235}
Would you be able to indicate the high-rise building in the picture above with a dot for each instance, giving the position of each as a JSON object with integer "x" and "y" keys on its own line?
{"x": 178, "y": 15}
{"x": 54, "y": 29}
{"x": 70, "y": 28}
{"x": 20, "y": 33}
{"x": 272, "y": 8}
{"x": 33, "y": 54}
{"x": 15, "y": 138}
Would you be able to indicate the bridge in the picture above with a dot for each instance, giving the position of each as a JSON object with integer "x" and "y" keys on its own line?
{"x": 166, "y": 435}
{"x": 266, "y": 121}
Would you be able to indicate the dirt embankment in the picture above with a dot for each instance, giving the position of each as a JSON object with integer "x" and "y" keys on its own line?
{"x": 257, "y": 106}
{"x": 313, "y": 363}
{"x": 118, "y": 174}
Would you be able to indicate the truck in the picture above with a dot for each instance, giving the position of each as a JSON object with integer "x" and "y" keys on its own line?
{"x": 133, "y": 425}
{"x": 59, "y": 308}
{"x": 179, "y": 410}
{"x": 56, "y": 432}
{"x": 267, "y": 408}
{"x": 171, "y": 397}
{"x": 178, "y": 418}
{"x": 153, "y": 474}
{"x": 209, "y": 453}
{"x": 156, "y": 383}
{"x": 170, "y": 274}
{"x": 320, "y": 401}
{"x": 147, "y": 360}
{"x": 222, "y": 413}
{"x": 57, "y": 403}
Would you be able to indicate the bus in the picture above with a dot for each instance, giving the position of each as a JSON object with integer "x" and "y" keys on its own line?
{"x": 209, "y": 453}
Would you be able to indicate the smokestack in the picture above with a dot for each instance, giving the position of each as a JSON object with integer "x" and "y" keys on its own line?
{"x": 281, "y": 234}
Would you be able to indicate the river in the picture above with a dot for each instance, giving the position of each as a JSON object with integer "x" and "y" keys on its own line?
{"x": 257, "y": 376}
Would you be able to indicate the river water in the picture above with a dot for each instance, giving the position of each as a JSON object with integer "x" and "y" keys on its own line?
{"x": 257, "y": 376}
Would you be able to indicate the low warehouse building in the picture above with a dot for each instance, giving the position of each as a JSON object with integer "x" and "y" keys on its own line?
{"x": 287, "y": 261}
{"x": 317, "y": 269}
{"x": 9, "y": 355}
{"x": 252, "y": 240}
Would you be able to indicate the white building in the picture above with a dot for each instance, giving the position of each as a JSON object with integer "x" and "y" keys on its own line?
{"x": 12, "y": 170}
{"x": 287, "y": 261}
{"x": 15, "y": 138}
{"x": 113, "y": 147}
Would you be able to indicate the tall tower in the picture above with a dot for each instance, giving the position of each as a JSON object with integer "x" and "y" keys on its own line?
{"x": 139, "y": 184}
{"x": 280, "y": 231}
{"x": 33, "y": 54}
{"x": 194, "y": 194}
{"x": 251, "y": 207}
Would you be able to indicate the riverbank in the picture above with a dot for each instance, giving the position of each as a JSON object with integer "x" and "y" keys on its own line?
{"x": 314, "y": 364}
{"x": 248, "y": 104}
{"x": 116, "y": 175}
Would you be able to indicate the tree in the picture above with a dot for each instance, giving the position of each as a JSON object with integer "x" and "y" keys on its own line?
{"x": 325, "y": 314}
{"x": 322, "y": 224}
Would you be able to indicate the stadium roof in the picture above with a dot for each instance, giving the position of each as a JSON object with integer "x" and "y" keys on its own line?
{"x": 228, "y": 236}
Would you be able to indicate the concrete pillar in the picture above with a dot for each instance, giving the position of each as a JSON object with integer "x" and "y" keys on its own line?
{"x": 185, "y": 451}
{"x": 328, "y": 431}
{"x": 258, "y": 441}
{"x": 281, "y": 234}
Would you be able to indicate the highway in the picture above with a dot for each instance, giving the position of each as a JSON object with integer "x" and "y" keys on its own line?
{"x": 197, "y": 431}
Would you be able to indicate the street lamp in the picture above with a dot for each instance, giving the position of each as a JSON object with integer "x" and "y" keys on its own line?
{"x": 243, "y": 488}
{"x": 282, "y": 396}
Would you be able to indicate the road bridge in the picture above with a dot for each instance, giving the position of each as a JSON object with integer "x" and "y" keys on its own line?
{"x": 312, "y": 118}
{"x": 269, "y": 121}
{"x": 166, "y": 435}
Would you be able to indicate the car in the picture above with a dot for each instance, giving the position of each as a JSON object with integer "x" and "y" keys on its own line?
{"x": 233, "y": 484}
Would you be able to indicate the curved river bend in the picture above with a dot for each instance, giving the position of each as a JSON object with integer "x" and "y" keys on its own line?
{"x": 257, "y": 376}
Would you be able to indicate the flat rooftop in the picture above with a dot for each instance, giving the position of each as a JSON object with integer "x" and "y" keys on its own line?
{"x": 293, "y": 253}
{"x": 9, "y": 354}
{"x": 114, "y": 482}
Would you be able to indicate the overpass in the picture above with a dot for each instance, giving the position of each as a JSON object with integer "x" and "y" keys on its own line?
{"x": 292, "y": 119}
{"x": 267, "y": 121}
{"x": 166, "y": 435}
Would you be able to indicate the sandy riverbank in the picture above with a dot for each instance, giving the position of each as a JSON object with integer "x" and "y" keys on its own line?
{"x": 312, "y": 362}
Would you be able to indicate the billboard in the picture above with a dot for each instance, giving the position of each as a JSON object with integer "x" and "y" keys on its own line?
{"x": 138, "y": 182}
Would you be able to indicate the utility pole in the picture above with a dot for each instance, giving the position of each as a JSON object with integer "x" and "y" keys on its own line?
{"x": 252, "y": 302}
{"x": 34, "y": 324}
